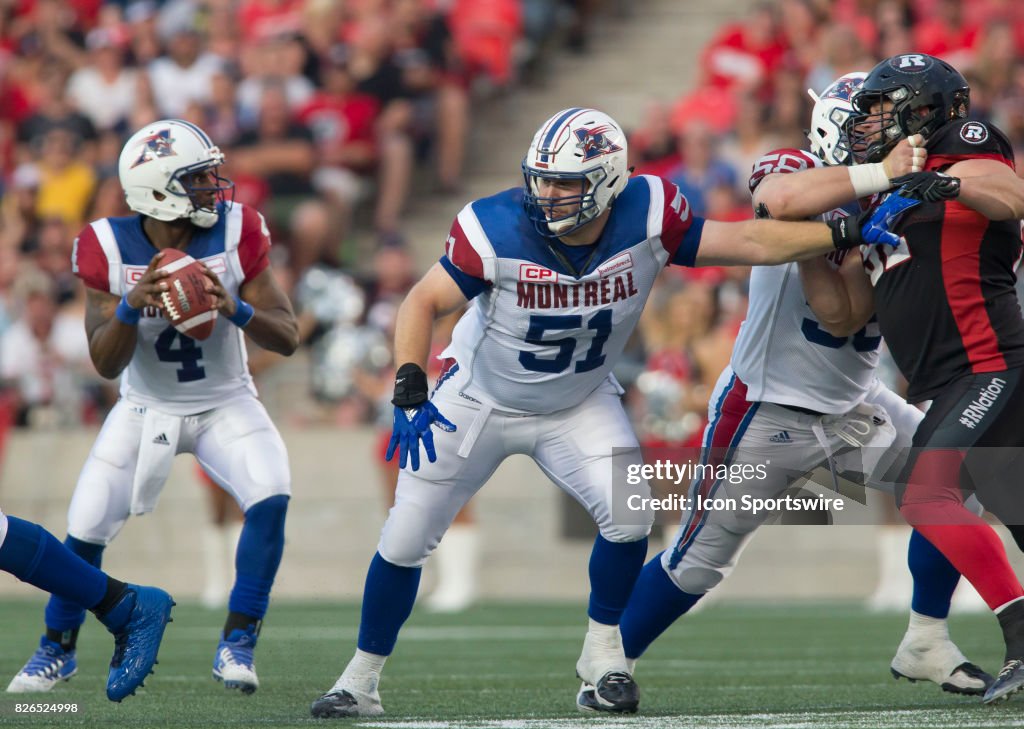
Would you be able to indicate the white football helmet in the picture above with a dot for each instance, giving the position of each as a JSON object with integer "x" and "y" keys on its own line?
{"x": 153, "y": 163}
{"x": 583, "y": 144}
{"x": 828, "y": 119}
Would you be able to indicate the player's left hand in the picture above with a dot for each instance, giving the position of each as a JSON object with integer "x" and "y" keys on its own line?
{"x": 873, "y": 225}
{"x": 878, "y": 226}
{"x": 226, "y": 304}
{"x": 413, "y": 426}
{"x": 928, "y": 186}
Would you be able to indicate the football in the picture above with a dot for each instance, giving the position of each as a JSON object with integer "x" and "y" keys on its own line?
{"x": 186, "y": 303}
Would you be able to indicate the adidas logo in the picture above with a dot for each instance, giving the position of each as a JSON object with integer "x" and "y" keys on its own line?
{"x": 162, "y": 439}
{"x": 781, "y": 437}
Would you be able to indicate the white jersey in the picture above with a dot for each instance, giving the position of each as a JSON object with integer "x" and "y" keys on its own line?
{"x": 544, "y": 331}
{"x": 782, "y": 353}
{"x": 169, "y": 371}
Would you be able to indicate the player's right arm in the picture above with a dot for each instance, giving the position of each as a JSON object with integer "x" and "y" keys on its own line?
{"x": 779, "y": 193}
{"x": 112, "y": 338}
{"x": 841, "y": 298}
{"x": 434, "y": 296}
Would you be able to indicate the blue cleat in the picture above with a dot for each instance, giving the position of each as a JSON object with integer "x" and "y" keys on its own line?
{"x": 47, "y": 666}
{"x": 233, "y": 663}
{"x": 1009, "y": 681}
{"x": 137, "y": 622}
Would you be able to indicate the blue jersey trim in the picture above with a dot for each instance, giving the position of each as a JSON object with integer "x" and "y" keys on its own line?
{"x": 471, "y": 286}
{"x": 512, "y": 235}
{"x": 686, "y": 253}
{"x": 137, "y": 250}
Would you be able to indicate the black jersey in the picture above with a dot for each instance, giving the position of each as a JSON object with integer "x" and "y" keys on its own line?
{"x": 945, "y": 298}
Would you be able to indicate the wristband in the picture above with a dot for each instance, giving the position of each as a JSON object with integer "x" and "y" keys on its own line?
{"x": 868, "y": 179}
{"x": 410, "y": 386}
{"x": 243, "y": 314}
{"x": 126, "y": 313}
{"x": 845, "y": 232}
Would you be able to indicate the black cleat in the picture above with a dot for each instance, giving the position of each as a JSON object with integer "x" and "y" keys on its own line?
{"x": 1009, "y": 681}
{"x": 342, "y": 704}
{"x": 616, "y": 692}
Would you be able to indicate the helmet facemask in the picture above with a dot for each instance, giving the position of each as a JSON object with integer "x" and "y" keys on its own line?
{"x": 202, "y": 208}
{"x": 543, "y": 210}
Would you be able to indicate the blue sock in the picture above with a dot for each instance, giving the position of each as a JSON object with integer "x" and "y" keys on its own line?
{"x": 614, "y": 567}
{"x": 655, "y": 604}
{"x": 388, "y": 597}
{"x": 935, "y": 578}
{"x": 63, "y": 614}
{"x": 33, "y": 555}
{"x": 258, "y": 556}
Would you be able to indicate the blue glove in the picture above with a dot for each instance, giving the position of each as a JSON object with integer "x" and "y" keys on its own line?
{"x": 872, "y": 226}
{"x": 877, "y": 229}
{"x": 412, "y": 425}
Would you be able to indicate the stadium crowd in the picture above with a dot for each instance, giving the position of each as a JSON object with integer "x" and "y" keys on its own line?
{"x": 328, "y": 109}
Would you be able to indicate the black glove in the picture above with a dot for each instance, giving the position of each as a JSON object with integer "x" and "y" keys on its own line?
{"x": 928, "y": 186}
{"x": 410, "y": 386}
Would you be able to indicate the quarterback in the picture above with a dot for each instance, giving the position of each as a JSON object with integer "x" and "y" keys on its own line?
{"x": 178, "y": 395}
{"x": 558, "y": 272}
{"x": 792, "y": 372}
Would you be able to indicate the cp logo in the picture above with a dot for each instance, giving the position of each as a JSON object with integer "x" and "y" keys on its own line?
{"x": 974, "y": 132}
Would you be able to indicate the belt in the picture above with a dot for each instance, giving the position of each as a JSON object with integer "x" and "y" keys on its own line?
{"x": 798, "y": 409}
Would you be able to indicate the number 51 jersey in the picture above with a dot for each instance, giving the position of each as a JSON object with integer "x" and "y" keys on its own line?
{"x": 549, "y": 321}
{"x": 169, "y": 371}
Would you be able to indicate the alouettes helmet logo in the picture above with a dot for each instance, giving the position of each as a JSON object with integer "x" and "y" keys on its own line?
{"x": 155, "y": 145}
{"x": 595, "y": 142}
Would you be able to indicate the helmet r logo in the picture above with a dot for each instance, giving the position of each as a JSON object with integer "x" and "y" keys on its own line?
{"x": 594, "y": 142}
{"x": 911, "y": 62}
{"x": 155, "y": 145}
{"x": 974, "y": 132}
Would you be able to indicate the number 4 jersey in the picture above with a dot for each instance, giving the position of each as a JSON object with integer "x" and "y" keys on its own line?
{"x": 169, "y": 371}
{"x": 548, "y": 321}
{"x": 782, "y": 353}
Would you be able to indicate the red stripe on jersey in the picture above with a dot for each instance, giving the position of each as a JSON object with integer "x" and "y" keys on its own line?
{"x": 733, "y": 410}
{"x": 462, "y": 254}
{"x": 676, "y": 218}
{"x": 254, "y": 243}
{"x": 939, "y": 161}
{"x": 962, "y": 233}
{"x": 89, "y": 262}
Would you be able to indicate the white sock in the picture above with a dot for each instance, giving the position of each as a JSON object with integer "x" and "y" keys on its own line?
{"x": 631, "y": 665}
{"x": 925, "y": 626}
{"x": 362, "y": 673}
{"x": 604, "y": 635}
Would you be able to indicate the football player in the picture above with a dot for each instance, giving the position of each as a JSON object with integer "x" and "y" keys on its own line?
{"x": 793, "y": 373}
{"x": 557, "y": 272}
{"x": 135, "y": 615}
{"x": 950, "y": 315}
{"x": 178, "y": 395}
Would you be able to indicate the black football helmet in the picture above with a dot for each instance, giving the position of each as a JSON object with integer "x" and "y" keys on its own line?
{"x": 926, "y": 93}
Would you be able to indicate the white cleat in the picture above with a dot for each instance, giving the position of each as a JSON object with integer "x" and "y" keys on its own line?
{"x": 608, "y": 684}
{"x": 940, "y": 662}
{"x": 47, "y": 667}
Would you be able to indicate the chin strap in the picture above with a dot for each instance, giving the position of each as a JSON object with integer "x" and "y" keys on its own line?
{"x": 204, "y": 218}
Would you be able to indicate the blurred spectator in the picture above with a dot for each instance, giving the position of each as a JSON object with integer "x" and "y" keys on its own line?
{"x": 185, "y": 73}
{"x": 749, "y": 140}
{"x": 54, "y": 112}
{"x": 278, "y": 60}
{"x": 66, "y": 181}
{"x": 104, "y": 90}
{"x": 652, "y": 147}
{"x": 43, "y": 354}
{"x": 745, "y": 53}
{"x": 280, "y": 151}
{"x": 701, "y": 168}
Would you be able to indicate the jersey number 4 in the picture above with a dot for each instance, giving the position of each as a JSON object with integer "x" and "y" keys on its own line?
{"x": 601, "y": 323}
{"x": 187, "y": 354}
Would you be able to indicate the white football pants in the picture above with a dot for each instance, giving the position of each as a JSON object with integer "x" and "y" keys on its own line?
{"x": 236, "y": 444}
{"x": 708, "y": 543}
{"x": 573, "y": 447}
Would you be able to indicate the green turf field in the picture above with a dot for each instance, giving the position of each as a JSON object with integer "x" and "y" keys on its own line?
{"x": 512, "y": 666}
